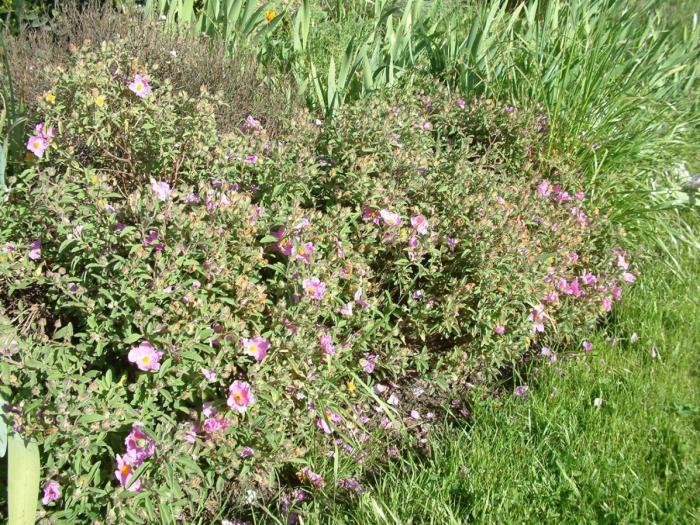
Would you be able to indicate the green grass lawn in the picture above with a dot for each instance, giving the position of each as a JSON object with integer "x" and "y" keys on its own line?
{"x": 556, "y": 457}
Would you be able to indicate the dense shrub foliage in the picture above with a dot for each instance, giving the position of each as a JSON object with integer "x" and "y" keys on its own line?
{"x": 197, "y": 312}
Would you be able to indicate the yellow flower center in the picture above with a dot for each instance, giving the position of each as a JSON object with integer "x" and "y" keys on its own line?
{"x": 37, "y": 144}
{"x": 139, "y": 86}
{"x": 270, "y": 15}
{"x": 50, "y": 98}
{"x": 126, "y": 470}
{"x": 238, "y": 398}
{"x": 146, "y": 360}
{"x": 99, "y": 101}
{"x": 253, "y": 349}
{"x": 351, "y": 386}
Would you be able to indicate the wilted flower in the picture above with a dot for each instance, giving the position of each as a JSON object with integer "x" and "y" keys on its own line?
{"x": 213, "y": 425}
{"x": 146, "y": 357}
{"x": 161, "y": 189}
{"x": 140, "y": 86}
{"x": 420, "y": 224}
{"x": 327, "y": 345}
{"x": 256, "y": 347}
{"x": 520, "y": 390}
{"x": 34, "y": 250}
{"x": 52, "y": 492}
{"x": 368, "y": 363}
{"x": 306, "y": 475}
{"x": 209, "y": 375}
{"x": 240, "y": 396}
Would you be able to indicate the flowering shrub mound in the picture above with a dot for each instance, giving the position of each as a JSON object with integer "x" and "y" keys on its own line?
{"x": 198, "y": 312}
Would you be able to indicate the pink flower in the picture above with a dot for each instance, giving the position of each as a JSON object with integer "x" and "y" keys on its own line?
{"x": 314, "y": 288}
{"x": 546, "y": 352}
{"x": 500, "y": 329}
{"x": 460, "y": 103}
{"x": 8, "y": 248}
{"x": 304, "y": 252}
{"x": 543, "y": 188}
{"x": 589, "y": 279}
{"x": 537, "y": 317}
{"x": 146, "y": 357}
{"x": 246, "y": 452}
{"x": 37, "y": 145}
{"x": 551, "y": 298}
{"x": 391, "y": 219}
{"x": 209, "y": 375}
{"x": 452, "y": 243}
{"x": 573, "y": 256}
{"x": 587, "y": 346}
{"x": 606, "y": 304}
{"x": 617, "y": 293}
{"x": 240, "y": 395}
{"x": 140, "y": 86}
{"x": 326, "y": 342}
{"x": 420, "y": 224}
{"x": 124, "y": 473}
{"x": 580, "y": 195}
{"x": 161, "y": 189}
{"x": 52, "y": 492}
{"x": 393, "y": 400}
{"x": 370, "y": 215}
{"x": 628, "y": 277}
{"x": 256, "y": 347}
{"x": 34, "y": 250}
{"x": 251, "y": 159}
{"x": 251, "y": 125}
{"x": 520, "y": 391}
{"x": 139, "y": 445}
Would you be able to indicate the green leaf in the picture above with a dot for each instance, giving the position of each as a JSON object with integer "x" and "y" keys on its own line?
{"x": 22, "y": 481}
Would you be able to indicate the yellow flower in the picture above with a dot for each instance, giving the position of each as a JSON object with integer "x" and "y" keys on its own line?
{"x": 50, "y": 97}
{"x": 99, "y": 101}
{"x": 351, "y": 387}
{"x": 95, "y": 179}
{"x": 270, "y": 15}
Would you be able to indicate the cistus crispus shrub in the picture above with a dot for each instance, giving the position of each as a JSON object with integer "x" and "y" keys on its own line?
{"x": 198, "y": 314}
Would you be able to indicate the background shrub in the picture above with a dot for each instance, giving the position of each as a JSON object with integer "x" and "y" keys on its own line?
{"x": 189, "y": 61}
{"x": 385, "y": 266}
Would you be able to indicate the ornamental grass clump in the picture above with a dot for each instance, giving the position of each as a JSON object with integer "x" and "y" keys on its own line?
{"x": 200, "y": 314}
